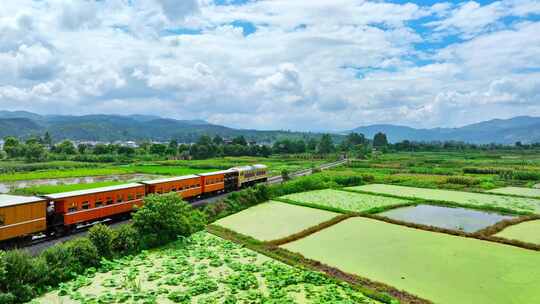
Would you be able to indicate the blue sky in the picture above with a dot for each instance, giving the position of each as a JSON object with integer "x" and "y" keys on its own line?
{"x": 274, "y": 64}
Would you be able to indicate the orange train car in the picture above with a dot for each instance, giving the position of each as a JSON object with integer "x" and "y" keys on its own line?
{"x": 79, "y": 207}
{"x": 21, "y": 216}
{"x": 213, "y": 182}
{"x": 188, "y": 186}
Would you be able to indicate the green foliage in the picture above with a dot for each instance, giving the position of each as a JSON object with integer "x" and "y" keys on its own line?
{"x": 23, "y": 275}
{"x": 164, "y": 218}
{"x": 101, "y": 236}
{"x": 125, "y": 240}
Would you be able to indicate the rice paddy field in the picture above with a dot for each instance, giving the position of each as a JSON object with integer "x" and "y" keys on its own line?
{"x": 459, "y": 219}
{"x": 442, "y": 268}
{"x": 206, "y": 269}
{"x": 520, "y": 191}
{"x": 274, "y": 220}
{"x": 515, "y": 204}
{"x": 528, "y": 232}
{"x": 345, "y": 201}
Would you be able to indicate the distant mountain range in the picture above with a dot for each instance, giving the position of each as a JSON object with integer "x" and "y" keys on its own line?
{"x": 505, "y": 131}
{"x": 139, "y": 127}
{"x": 117, "y": 127}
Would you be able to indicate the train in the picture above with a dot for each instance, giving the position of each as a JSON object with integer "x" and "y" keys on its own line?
{"x": 58, "y": 214}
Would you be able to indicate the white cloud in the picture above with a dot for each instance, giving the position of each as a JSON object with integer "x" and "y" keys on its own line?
{"x": 310, "y": 65}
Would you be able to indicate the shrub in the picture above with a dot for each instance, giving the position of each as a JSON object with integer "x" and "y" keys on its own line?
{"x": 84, "y": 252}
{"x": 7, "y": 298}
{"x": 164, "y": 218}
{"x": 21, "y": 276}
{"x": 101, "y": 236}
{"x": 61, "y": 263}
{"x": 125, "y": 240}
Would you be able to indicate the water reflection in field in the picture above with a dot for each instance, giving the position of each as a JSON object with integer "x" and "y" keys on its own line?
{"x": 444, "y": 217}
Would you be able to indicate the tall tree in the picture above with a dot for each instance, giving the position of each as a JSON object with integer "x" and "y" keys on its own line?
{"x": 380, "y": 140}
{"x": 326, "y": 145}
{"x": 239, "y": 140}
{"x": 12, "y": 147}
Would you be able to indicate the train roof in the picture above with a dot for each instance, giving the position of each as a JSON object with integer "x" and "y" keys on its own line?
{"x": 91, "y": 191}
{"x": 215, "y": 173}
{"x": 13, "y": 200}
{"x": 171, "y": 179}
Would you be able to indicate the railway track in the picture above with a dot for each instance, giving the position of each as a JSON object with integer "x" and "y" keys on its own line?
{"x": 39, "y": 244}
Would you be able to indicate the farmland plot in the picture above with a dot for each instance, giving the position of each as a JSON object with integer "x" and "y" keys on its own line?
{"x": 521, "y": 191}
{"x": 274, "y": 220}
{"x": 516, "y": 204}
{"x": 439, "y": 267}
{"x": 205, "y": 270}
{"x": 343, "y": 200}
{"x": 528, "y": 232}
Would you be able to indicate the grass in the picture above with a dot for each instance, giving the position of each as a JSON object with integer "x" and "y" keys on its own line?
{"x": 466, "y": 199}
{"x": 519, "y": 191}
{"x": 49, "y": 174}
{"x": 528, "y": 232}
{"x": 345, "y": 201}
{"x": 166, "y": 170}
{"x": 442, "y": 268}
{"x": 48, "y": 189}
{"x": 274, "y": 220}
{"x": 206, "y": 269}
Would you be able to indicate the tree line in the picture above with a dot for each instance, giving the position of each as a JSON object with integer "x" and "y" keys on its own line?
{"x": 37, "y": 149}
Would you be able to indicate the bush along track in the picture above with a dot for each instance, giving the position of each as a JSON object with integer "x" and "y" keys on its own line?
{"x": 377, "y": 291}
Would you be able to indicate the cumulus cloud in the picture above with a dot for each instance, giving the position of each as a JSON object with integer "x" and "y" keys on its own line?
{"x": 311, "y": 65}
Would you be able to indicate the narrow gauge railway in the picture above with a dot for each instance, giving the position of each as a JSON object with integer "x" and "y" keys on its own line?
{"x": 47, "y": 217}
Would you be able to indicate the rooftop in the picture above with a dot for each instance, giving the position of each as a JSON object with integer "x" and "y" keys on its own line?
{"x": 12, "y": 200}
{"x": 171, "y": 179}
{"x": 91, "y": 191}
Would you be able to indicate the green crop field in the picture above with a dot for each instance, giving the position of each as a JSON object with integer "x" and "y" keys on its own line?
{"x": 521, "y": 191}
{"x": 442, "y": 268}
{"x": 167, "y": 170}
{"x": 516, "y": 204}
{"x": 274, "y": 220}
{"x": 528, "y": 232}
{"x": 343, "y": 200}
{"x": 205, "y": 270}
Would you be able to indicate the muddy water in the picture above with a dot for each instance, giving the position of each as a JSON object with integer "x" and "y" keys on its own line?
{"x": 443, "y": 217}
{"x": 9, "y": 186}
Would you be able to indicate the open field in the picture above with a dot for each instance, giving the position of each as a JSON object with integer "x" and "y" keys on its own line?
{"x": 515, "y": 204}
{"x": 345, "y": 201}
{"x": 205, "y": 270}
{"x": 442, "y": 268}
{"x": 18, "y": 171}
{"x": 274, "y": 220}
{"x": 528, "y": 232}
{"x": 521, "y": 191}
{"x": 275, "y": 163}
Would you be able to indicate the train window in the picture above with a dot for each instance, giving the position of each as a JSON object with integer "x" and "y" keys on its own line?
{"x": 130, "y": 197}
{"x": 72, "y": 209}
{"x": 119, "y": 199}
{"x": 109, "y": 200}
{"x": 85, "y": 205}
{"x": 173, "y": 189}
{"x": 98, "y": 204}
{"x": 139, "y": 195}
